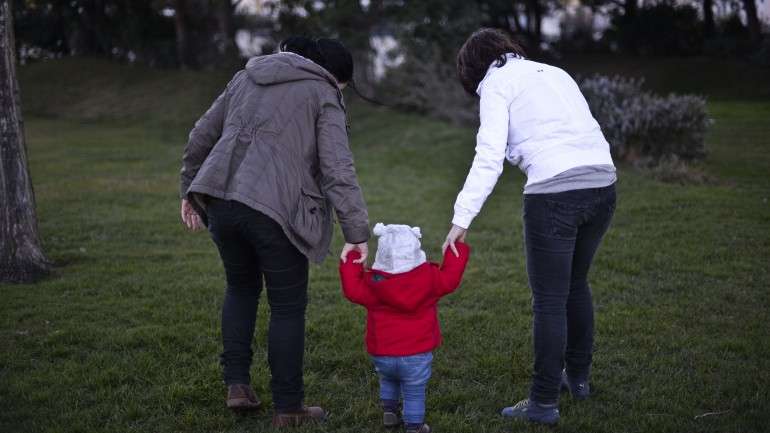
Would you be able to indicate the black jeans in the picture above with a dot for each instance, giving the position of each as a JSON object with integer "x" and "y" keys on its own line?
{"x": 252, "y": 245}
{"x": 562, "y": 232}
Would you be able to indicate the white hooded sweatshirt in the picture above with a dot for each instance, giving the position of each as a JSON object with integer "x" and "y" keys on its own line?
{"x": 535, "y": 116}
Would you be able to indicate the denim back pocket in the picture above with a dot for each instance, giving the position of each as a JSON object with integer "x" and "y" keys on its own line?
{"x": 565, "y": 218}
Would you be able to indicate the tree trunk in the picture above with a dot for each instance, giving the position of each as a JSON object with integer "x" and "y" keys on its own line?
{"x": 630, "y": 8}
{"x": 755, "y": 29}
{"x": 515, "y": 18}
{"x": 225, "y": 26}
{"x": 21, "y": 256}
{"x": 94, "y": 24}
{"x": 708, "y": 18}
{"x": 537, "y": 15}
{"x": 528, "y": 14}
{"x": 182, "y": 34}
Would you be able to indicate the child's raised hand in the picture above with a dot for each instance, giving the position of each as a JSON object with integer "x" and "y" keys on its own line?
{"x": 362, "y": 248}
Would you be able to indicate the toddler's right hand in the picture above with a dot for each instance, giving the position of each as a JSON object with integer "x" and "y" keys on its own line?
{"x": 362, "y": 249}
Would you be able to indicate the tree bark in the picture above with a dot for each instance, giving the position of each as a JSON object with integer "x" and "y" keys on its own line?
{"x": 630, "y": 8}
{"x": 181, "y": 27}
{"x": 225, "y": 26}
{"x": 709, "y": 26}
{"x": 515, "y": 18}
{"x": 21, "y": 256}
{"x": 537, "y": 16}
{"x": 755, "y": 29}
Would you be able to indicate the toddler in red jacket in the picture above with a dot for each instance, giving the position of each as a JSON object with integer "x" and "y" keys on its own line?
{"x": 400, "y": 293}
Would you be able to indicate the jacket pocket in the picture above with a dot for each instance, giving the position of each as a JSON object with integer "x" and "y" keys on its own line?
{"x": 308, "y": 221}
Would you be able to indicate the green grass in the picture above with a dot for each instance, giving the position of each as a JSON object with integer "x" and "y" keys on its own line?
{"x": 124, "y": 335}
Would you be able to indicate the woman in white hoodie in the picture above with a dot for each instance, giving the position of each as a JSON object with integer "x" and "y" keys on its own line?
{"x": 534, "y": 115}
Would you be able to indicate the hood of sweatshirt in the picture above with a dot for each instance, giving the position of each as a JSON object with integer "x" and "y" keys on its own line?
{"x": 286, "y": 67}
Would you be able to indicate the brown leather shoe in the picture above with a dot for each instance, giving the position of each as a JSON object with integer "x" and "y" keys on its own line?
{"x": 241, "y": 398}
{"x": 308, "y": 414}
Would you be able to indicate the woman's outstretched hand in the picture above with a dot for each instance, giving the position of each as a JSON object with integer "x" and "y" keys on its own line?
{"x": 362, "y": 248}
{"x": 190, "y": 218}
{"x": 456, "y": 234}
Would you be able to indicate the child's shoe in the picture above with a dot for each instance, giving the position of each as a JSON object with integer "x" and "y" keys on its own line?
{"x": 390, "y": 416}
{"x": 422, "y": 428}
{"x": 580, "y": 390}
{"x": 527, "y": 410}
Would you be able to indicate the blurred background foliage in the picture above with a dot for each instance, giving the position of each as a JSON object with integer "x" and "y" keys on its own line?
{"x": 404, "y": 49}
{"x": 205, "y": 33}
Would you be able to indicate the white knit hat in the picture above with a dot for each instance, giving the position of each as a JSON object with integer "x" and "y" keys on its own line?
{"x": 398, "y": 248}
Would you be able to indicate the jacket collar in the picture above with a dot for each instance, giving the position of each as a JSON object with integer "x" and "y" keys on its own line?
{"x": 493, "y": 66}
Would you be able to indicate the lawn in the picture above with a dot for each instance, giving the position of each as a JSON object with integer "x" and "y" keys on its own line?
{"x": 124, "y": 335}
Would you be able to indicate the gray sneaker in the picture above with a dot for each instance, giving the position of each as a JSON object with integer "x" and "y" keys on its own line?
{"x": 390, "y": 419}
{"x": 580, "y": 390}
{"x": 528, "y": 410}
{"x": 424, "y": 428}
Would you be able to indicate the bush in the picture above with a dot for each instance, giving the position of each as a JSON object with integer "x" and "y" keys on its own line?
{"x": 732, "y": 38}
{"x": 673, "y": 170}
{"x": 429, "y": 85}
{"x": 659, "y": 29}
{"x": 762, "y": 55}
{"x": 641, "y": 126}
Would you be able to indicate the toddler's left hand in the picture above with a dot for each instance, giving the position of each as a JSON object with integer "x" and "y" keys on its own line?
{"x": 456, "y": 234}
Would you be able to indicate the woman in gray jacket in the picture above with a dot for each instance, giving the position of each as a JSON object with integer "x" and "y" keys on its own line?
{"x": 263, "y": 168}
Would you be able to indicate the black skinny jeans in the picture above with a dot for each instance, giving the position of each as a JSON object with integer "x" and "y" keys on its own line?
{"x": 562, "y": 232}
{"x": 252, "y": 245}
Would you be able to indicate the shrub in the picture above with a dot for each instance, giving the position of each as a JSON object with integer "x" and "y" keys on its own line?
{"x": 673, "y": 170}
{"x": 428, "y": 85}
{"x": 762, "y": 55}
{"x": 640, "y": 126}
{"x": 732, "y": 38}
{"x": 663, "y": 28}
{"x": 643, "y": 126}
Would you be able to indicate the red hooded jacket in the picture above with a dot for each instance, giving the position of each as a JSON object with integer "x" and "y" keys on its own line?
{"x": 402, "y": 316}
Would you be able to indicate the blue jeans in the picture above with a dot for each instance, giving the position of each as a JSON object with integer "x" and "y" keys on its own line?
{"x": 405, "y": 376}
{"x": 562, "y": 232}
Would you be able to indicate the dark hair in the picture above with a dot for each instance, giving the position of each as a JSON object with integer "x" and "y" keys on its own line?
{"x": 331, "y": 54}
{"x": 482, "y": 48}
{"x": 328, "y": 53}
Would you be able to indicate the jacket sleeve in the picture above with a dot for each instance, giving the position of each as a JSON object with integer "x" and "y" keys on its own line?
{"x": 203, "y": 137}
{"x": 353, "y": 280}
{"x": 450, "y": 275}
{"x": 491, "y": 142}
{"x": 338, "y": 175}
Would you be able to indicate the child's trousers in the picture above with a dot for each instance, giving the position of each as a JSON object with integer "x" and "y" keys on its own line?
{"x": 407, "y": 377}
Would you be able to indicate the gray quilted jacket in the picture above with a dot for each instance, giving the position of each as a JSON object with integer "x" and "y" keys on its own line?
{"x": 276, "y": 141}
